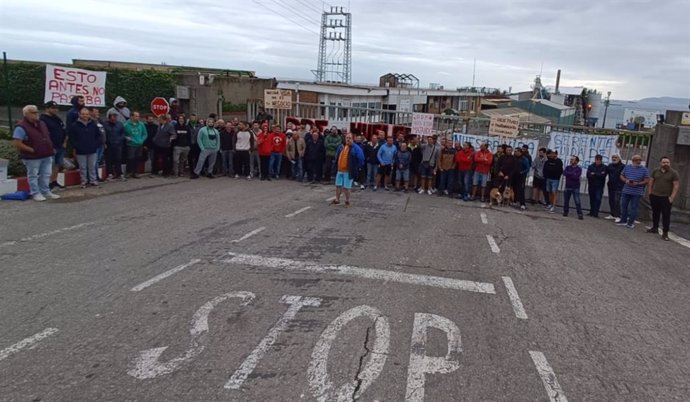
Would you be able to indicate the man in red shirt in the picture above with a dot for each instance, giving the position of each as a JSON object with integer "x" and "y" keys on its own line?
{"x": 263, "y": 139}
{"x": 482, "y": 166}
{"x": 278, "y": 141}
{"x": 463, "y": 160}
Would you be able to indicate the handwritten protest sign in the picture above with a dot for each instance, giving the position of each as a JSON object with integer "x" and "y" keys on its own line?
{"x": 494, "y": 142}
{"x": 63, "y": 83}
{"x": 277, "y": 99}
{"x": 422, "y": 123}
{"x": 584, "y": 146}
{"x": 504, "y": 126}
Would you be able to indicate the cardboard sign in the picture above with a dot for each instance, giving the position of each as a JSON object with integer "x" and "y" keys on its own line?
{"x": 277, "y": 99}
{"x": 504, "y": 126}
{"x": 422, "y": 124}
{"x": 63, "y": 83}
{"x": 584, "y": 146}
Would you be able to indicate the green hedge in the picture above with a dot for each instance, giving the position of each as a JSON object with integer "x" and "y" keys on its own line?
{"x": 27, "y": 85}
{"x": 9, "y": 152}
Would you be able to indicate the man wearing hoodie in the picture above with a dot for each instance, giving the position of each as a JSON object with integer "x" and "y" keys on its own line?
{"x": 615, "y": 186}
{"x": 120, "y": 109}
{"x": 86, "y": 138}
{"x": 194, "y": 127}
{"x": 175, "y": 110}
{"x": 371, "y": 150}
{"x": 181, "y": 145}
{"x": 314, "y": 155}
{"x": 115, "y": 139}
{"x": 331, "y": 142}
{"x": 78, "y": 104}
{"x": 263, "y": 142}
{"x": 244, "y": 142}
{"x": 278, "y": 142}
{"x": 56, "y": 128}
{"x": 135, "y": 135}
{"x": 209, "y": 143}
{"x": 463, "y": 162}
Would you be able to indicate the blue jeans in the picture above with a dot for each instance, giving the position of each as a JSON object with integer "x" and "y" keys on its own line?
{"x": 88, "y": 171}
{"x": 38, "y": 173}
{"x": 446, "y": 180}
{"x": 227, "y": 159}
{"x": 575, "y": 193}
{"x": 595, "y": 196}
{"x": 465, "y": 182}
{"x": 372, "y": 171}
{"x": 100, "y": 152}
{"x": 629, "y": 205}
{"x": 274, "y": 164}
{"x": 297, "y": 169}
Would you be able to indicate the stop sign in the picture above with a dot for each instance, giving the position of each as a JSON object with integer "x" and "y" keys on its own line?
{"x": 159, "y": 106}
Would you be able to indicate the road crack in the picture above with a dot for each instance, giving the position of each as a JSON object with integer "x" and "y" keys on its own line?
{"x": 367, "y": 351}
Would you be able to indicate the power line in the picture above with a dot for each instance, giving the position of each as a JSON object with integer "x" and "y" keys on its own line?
{"x": 282, "y": 16}
{"x": 295, "y": 13}
{"x": 304, "y": 3}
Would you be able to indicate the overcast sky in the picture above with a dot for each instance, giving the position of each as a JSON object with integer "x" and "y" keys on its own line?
{"x": 634, "y": 48}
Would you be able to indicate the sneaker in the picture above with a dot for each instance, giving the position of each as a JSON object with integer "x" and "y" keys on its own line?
{"x": 405, "y": 190}
{"x": 522, "y": 207}
{"x": 620, "y": 222}
{"x": 610, "y": 217}
{"x": 445, "y": 192}
{"x": 355, "y": 183}
{"x": 123, "y": 178}
{"x": 630, "y": 226}
{"x": 387, "y": 188}
{"x": 38, "y": 197}
{"x": 249, "y": 177}
{"x": 376, "y": 188}
{"x": 362, "y": 187}
{"x": 237, "y": 176}
{"x": 547, "y": 207}
{"x": 83, "y": 185}
{"x": 94, "y": 184}
{"x": 652, "y": 230}
{"x": 51, "y": 196}
{"x": 430, "y": 192}
{"x": 420, "y": 191}
{"x": 552, "y": 210}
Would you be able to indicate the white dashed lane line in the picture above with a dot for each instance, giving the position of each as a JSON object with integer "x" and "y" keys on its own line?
{"x": 548, "y": 377}
{"x": 250, "y": 234}
{"x": 484, "y": 218}
{"x": 493, "y": 244}
{"x": 299, "y": 211}
{"x": 164, "y": 275}
{"x": 28, "y": 342}
{"x": 514, "y": 298}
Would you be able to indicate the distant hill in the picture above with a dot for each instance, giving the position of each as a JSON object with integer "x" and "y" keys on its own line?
{"x": 666, "y": 101}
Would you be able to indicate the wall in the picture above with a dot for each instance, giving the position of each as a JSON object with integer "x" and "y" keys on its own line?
{"x": 664, "y": 144}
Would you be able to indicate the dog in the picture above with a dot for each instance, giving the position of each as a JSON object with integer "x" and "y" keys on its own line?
{"x": 502, "y": 199}
{"x": 508, "y": 196}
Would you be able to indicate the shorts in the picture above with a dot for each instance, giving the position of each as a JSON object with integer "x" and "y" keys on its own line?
{"x": 480, "y": 179}
{"x": 402, "y": 175}
{"x": 342, "y": 179}
{"x": 538, "y": 182}
{"x": 426, "y": 172}
{"x": 385, "y": 170}
{"x": 59, "y": 157}
{"x": 552, "y": 185}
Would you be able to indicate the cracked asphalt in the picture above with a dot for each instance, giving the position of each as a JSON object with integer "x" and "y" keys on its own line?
{"x": 608, "y": 307}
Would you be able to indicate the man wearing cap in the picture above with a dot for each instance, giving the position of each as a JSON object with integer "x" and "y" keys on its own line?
{"x": 664, "y": 183}
{"x": 32, "y": 140}
{"x": 56, "y": 128}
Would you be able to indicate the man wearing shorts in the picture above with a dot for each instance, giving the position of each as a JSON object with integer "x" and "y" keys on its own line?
{"x": 538, "y": 181}
{"x": 553, "y": 170}
{"x": 349, "y": 158}
{"x": 483, "y": 160}
{"x": 427, "y": 170}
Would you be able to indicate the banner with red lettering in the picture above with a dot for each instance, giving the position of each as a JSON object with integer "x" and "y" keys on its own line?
{"x": 62, "y": 83}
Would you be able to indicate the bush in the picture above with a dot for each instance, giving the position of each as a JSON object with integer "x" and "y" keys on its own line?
{"x": 5, "y": 134}
{"x": 9, "y": 152}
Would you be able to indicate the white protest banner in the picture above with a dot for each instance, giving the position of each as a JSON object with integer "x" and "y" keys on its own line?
{"x": 584, "y": 146}
{"x": 422, "y": 123}
{"x": 277, "y": 99}
{"x": 63, "y": 83}
{"x": 494, "y": 142}
{"x": 504, "y": 126}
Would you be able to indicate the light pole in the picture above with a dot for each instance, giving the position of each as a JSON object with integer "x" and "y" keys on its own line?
{"x": 606, "y": 108}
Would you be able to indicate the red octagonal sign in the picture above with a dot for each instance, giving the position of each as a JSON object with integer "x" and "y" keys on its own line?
{"x": 159, "y": 106}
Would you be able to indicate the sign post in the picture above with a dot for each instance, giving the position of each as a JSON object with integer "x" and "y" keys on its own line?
{"x": 504, "y": 126}
{"x": 159, "y": 106}
{"x": 422, "y": 124}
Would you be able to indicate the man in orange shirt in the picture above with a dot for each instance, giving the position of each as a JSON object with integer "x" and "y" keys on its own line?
{"x": 265, "y": 147}
{"x": 349, "y": 158}
{"x": 278, "y": 142}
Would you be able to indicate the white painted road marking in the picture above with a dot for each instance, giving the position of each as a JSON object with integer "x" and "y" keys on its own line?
{"x": 299, "y": 211}
{"x": 321, "y": 386}
{"x": 514, "y": 298}
{"x": 423, "y": 280}
{"x": 24, "y": 343}
{"x": 484, "y": 219}
{"x": 250, "y": 234}
{"x": 296, "y": 303}
{"x": 147, "y": 366}
{"x": 164, "y": 275}
{"x": 492, "y": 244}
{"x": 421, "y": 364}
{"x": 553, "y": 389}
{"x": 46, "y": 234}
{"x": 683, "y": 242}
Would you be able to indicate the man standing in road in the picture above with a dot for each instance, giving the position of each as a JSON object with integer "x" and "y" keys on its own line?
{"x": 430, "y": 153}
{"x": 314, "y": 155}
{"x": 209, "y": 143}
{"x": 32, "y": 140}
{"x": 385, "y": 156}
{"x": 135, "y": 135}
{"x": 664, "y": 183}
{"x": 115, "y": 139}
{"x": 278, "y": 142}
{"x": 463, "y": 162}
{"x": 538, "y": 182}
{"x": 615, "y": 186}
{"x": 295, "y": 153}
{"x": 162, "y": 143}
{"x": 348, "y": 158}
{"x": 263, "y": 142}
{"x": 227, "y": 148}
{"x": 572, "y": 175}
{"x": 446, "y": 167}
{"x": 371, "y": 150}
{"x": 100, "y": 152}
{"x": 483, "y": 160}
{"x": 244, "y": 142}
{"x": 183, "y": 137}
{"x": 402, "y": 167}
{"x": 553, "y": 170}
{"x": 56, "y": 128}
{"x": 635, "y": 177}
{"x": 331, "y": 142}
{"x": 596, "y": 177}
{"x": 508, "y": 168}
{"x": 85, "y": 137}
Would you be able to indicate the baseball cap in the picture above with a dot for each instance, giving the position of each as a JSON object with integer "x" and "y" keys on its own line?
{"x": 50, "y": 104}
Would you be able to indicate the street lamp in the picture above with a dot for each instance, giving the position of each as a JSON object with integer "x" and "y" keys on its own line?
{"x": 606, "y": 108}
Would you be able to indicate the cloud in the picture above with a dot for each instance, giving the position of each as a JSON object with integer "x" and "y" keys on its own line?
{"x": 635, "y": 49}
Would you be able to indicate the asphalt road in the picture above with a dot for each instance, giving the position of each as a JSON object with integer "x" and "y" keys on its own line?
{"x": 228, "y": 290}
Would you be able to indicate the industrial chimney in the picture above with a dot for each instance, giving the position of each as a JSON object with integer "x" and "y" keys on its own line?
{"x": 558, "y": 81}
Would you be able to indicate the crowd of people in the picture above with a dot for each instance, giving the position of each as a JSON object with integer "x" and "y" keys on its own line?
{"x": 180, "y": 145}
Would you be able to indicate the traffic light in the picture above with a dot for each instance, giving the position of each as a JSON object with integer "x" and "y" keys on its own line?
{"x": 589, "y": 107}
